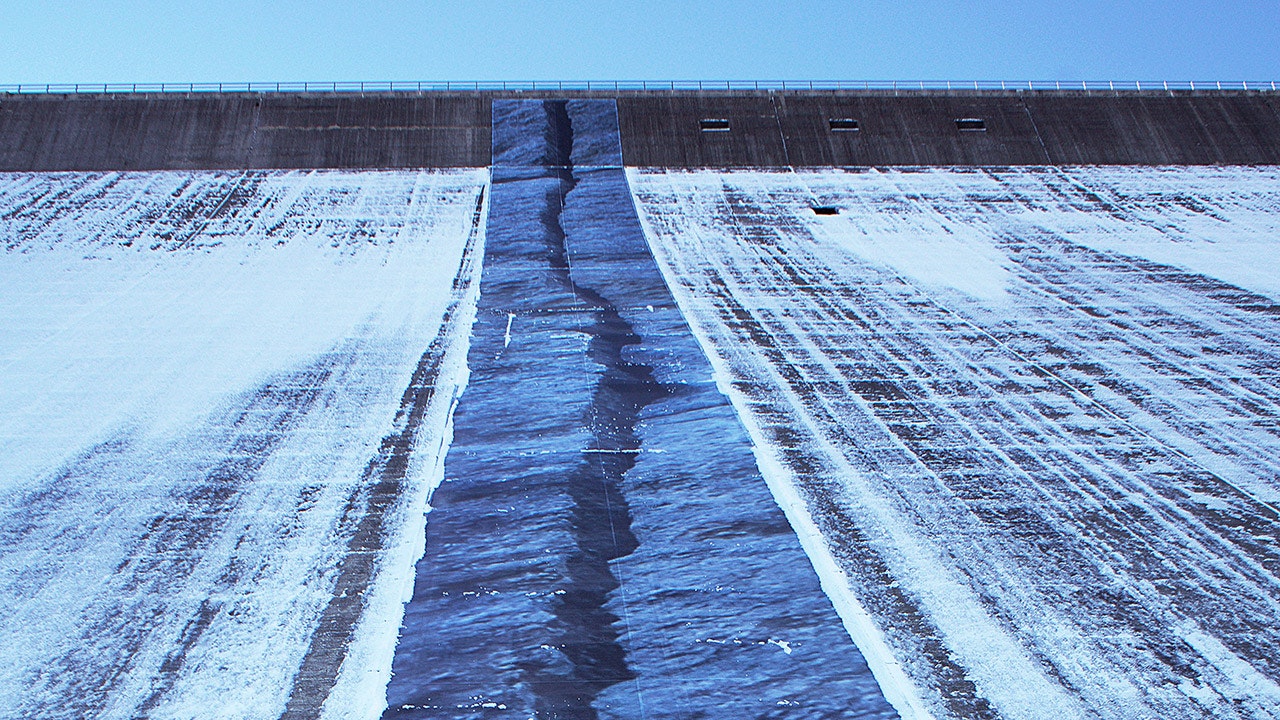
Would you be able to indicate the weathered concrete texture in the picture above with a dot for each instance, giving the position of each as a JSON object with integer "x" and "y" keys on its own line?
{"x": 1158, "y": 129}
{"x": 663, "y": 130}
{"x": 659, "y": 129}
{"x": 909, "y": 130}
{"x": 232, "y": 131}
{"x": 1022, "y": 128}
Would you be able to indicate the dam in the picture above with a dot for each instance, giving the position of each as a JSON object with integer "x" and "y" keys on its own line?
{"x": 640, "y": 404}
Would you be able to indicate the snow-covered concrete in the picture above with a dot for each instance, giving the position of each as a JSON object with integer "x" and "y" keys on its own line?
{"x": 195, "y": 370}
{"x": 1024, "y": 419}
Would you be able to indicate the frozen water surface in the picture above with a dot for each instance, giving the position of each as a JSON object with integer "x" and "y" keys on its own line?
{"x": 205, "y": 380}
{"x": 1025, "y": 419}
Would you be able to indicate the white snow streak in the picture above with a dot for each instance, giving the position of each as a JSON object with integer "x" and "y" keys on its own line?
{"x": 195, "y": 368}
{"x": 1025, "y": 413}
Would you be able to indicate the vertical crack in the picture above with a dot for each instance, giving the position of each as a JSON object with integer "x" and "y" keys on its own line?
{"x": 587, "y": 631}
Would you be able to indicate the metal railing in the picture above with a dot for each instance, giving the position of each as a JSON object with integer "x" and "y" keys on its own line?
{"x": 618, "y": 85}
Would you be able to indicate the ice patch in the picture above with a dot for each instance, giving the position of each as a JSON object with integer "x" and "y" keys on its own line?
{"x": 932, "y": 253}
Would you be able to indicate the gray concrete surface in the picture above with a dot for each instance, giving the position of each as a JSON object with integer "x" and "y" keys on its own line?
{"x": 918, "y": 128}
{"x": 767, "y": 129}
{"x": 239, "y": 131}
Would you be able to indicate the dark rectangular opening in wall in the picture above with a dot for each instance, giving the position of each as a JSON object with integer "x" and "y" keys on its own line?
{"x": 971, "y": 124}
{"x": 842, "y": 124}
{"x": 825, "y": 210}
{"x": 714, "y": 124}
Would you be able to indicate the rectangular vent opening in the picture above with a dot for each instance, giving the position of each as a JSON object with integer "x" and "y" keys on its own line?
{"x": 842, "y": 124}
{"x": 825, "y": 210}
{"x": 714, "y": 124}
{"x": 971, "y": 124}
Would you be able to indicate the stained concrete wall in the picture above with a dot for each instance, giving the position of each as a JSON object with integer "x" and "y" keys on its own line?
{"x": 918, "y": 128}
{"x": 767, "y": 129}
{"x": 213, "y": 131}
{"x": 1159, "y": 129}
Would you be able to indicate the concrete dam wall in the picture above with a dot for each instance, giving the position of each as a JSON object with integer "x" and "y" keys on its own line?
{"x": 658, "y": 129}
{"x": 640, "y": 405}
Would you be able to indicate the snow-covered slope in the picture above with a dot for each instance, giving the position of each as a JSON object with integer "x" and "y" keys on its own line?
{"x": 197, "y": 374}
{"x": 1024, "y": 419}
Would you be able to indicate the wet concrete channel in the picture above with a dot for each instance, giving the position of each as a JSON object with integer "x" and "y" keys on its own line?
{"x": 603, "y": 545}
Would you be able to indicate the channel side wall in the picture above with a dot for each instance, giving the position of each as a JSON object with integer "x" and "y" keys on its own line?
{"x": 658, "y": 128}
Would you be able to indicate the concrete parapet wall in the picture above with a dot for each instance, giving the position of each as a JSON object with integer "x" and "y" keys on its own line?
{"x": 1022, "y": 128}
{"x": 216, "y": 131}
{"x": 658, "y": 128}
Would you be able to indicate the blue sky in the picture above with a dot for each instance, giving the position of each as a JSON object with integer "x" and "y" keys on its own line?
{"x": 235, "y": 40}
